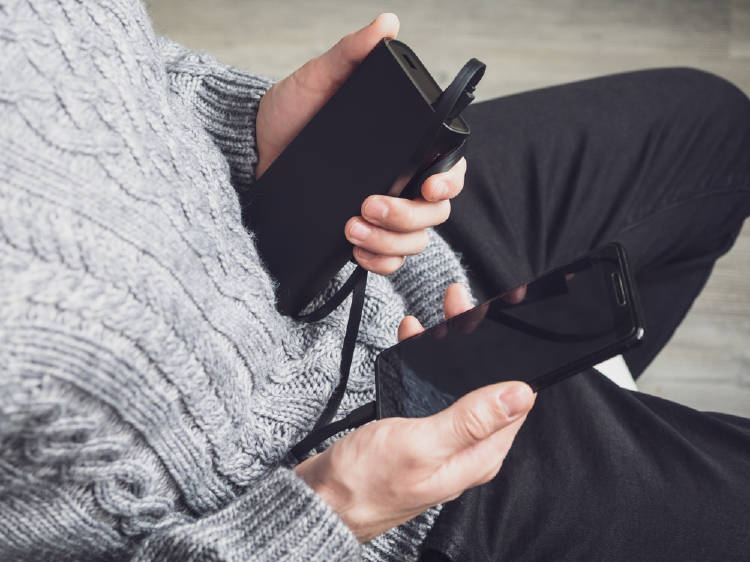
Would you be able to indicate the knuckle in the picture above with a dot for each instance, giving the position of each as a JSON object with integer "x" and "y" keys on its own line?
{"x": 387, "y": 268}
{"x": 344, "y": 42}
{"x": 385, "y": 243}
{"x": 375, "y": 266}
{"x": 471, "y": 425}
{"x": 384, "y": 265}
{"x": 411, "y": 460}
{"x": 406, "y": 216}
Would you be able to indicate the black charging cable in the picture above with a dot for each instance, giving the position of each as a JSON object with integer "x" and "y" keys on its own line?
{"x": 357, "y": 285}
{"x": 457, "y": 98}
{"x": 355, "y": 418}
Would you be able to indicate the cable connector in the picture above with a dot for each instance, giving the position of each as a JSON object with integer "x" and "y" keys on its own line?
{"x": 468, "y": 77}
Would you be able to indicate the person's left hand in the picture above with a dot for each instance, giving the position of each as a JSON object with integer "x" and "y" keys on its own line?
{"x": 390, "y": 228}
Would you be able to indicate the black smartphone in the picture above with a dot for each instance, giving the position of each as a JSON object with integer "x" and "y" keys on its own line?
{"x": 369, "y": 138}
{"x": 558, "y": 325}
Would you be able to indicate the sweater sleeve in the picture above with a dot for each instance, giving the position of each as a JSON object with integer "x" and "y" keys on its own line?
{"x": 223, "y": 99}
{"x": 279, "y": 518}
{"x": 424, "y": 277}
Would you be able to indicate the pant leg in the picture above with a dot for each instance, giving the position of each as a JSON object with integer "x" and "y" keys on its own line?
{"x": 657, "y": 160}
{"x": 601, "y": 473}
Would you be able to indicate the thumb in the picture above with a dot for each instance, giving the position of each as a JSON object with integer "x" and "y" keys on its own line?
{"x": 480, "y": 414}
{"x": 339, "y": 61}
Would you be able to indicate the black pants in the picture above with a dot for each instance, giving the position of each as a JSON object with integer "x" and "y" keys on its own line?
{"x": 659, "y": 161}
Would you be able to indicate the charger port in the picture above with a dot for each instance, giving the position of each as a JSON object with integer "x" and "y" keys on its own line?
{"x": 409, "y": 61}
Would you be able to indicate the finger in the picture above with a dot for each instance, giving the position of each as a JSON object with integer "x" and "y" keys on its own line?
{"x": 475, "y": 465}
{"x": 445, "y": 185}
{"x": 439, "y": 331}
{"x": 384, "y": 242}
{"x": 382, "y": 265}
{"x": 456, "y": 301}
{"x": 515, "y": 296}
{"x": 476, "y": 416}
{"x": 488, "y": 454}
{"x": 339, "y": 61}
{"x": 469, "y": 321}
{"x": 404, "y": 215}
{"x": 409, "y": 327}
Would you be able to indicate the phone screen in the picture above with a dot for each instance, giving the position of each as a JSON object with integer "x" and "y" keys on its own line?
{"x": 563, "y": 322}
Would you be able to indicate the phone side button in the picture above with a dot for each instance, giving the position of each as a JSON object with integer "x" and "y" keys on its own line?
{"x": 619, "y": 289}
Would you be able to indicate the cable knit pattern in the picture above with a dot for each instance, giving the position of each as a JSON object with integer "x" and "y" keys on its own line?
{"x": 149, "y": 390}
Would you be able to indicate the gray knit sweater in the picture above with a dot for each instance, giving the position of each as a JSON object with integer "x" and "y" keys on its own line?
{"x": 148, "y": 387}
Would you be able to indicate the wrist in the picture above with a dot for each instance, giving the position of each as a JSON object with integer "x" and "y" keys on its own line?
{"x": 317, "y": 473}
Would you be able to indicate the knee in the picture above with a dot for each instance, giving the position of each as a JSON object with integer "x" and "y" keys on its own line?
{"x": 703, "y": 121}
{"x": 710, "y": 101}
{"x": 711, "y": 88}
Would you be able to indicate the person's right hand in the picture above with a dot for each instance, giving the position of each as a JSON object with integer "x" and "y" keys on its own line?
{"x": 391, "y": 470}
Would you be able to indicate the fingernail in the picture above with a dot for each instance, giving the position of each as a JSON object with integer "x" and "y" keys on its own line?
{"x": 516, "y": 401}
{"x": 376, "y": 209}
{"x": 358, "y": 231}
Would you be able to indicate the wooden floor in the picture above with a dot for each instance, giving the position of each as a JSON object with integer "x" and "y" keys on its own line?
{"x": 527, "y": 44}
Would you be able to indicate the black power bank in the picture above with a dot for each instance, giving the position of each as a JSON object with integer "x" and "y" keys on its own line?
{"x": 374, "y": 135}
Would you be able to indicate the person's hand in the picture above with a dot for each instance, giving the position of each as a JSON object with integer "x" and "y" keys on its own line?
{"x": 389, "y": 471}
{"x": 389, "y": 228}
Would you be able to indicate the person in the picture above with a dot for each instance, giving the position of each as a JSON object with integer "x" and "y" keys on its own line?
{"x": 150, "y": 391}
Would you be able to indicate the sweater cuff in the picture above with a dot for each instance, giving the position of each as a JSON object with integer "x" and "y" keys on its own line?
{"x": 279, "y": 518}
{"x": 424, "y": 277}
{"x": 225, "y": 102}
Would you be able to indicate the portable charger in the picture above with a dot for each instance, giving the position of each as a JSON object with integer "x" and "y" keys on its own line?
{"x": 376, "y": 135}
